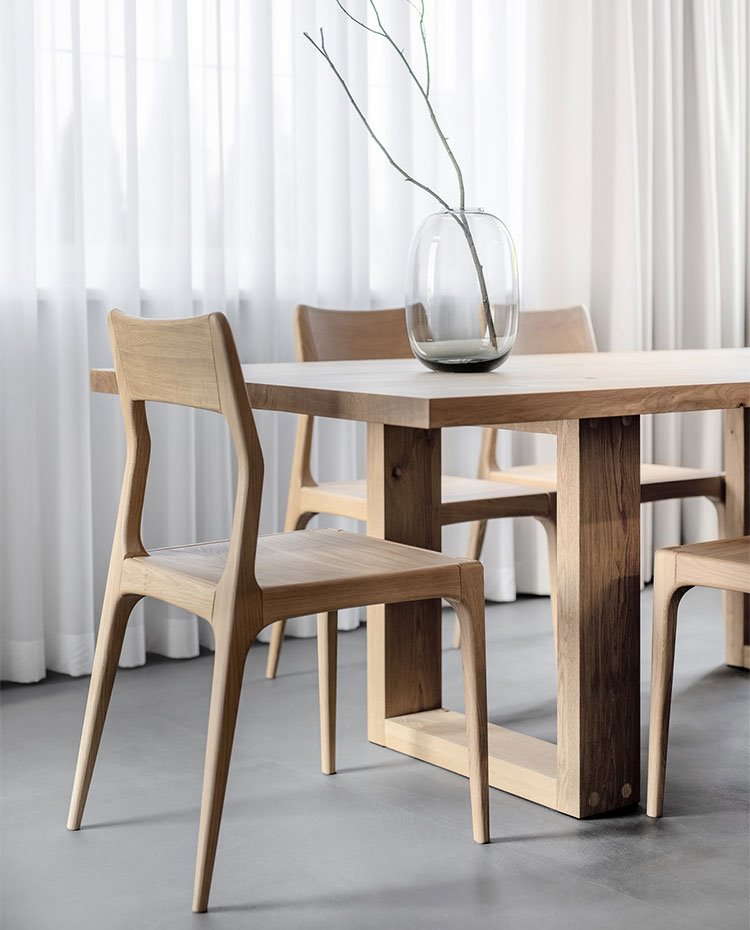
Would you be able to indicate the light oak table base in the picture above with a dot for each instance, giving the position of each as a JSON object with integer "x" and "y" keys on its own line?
{"x": 595, "y": 766}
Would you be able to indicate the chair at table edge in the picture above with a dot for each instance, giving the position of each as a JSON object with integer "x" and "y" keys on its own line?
{"x": 193, "y": 362}
{"x": 722, "y": 564}
{"x": 567, "y": 330}
{"x": 570, "y": 330}
{"x": 322, "y": 334}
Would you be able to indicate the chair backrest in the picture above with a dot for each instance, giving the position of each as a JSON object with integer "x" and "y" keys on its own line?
{"x": 545, "y": 332}
{"x": 194, "y": 363}
{"x": 348, "y": 335}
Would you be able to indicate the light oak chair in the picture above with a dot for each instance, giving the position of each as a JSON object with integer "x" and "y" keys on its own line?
{"x": 543, "y": 332}
{"x": 247, "y": 582}
{"x": 344, "y": 335}
{"x": 551, "y": 331}
{"x": 724, "y": 564}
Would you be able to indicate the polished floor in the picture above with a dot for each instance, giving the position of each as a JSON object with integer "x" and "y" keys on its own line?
{"x": 385, "y": 843}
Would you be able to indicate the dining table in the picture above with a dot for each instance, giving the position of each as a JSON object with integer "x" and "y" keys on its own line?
{"x": 596, "y": 401}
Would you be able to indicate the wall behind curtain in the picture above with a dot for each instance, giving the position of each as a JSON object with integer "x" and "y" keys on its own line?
{"x": 175, "y": 157}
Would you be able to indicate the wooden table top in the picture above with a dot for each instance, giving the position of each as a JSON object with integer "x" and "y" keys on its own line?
{"x": 528, "y": 388}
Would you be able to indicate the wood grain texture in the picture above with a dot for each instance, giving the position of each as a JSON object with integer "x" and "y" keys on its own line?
{"x": 240, "y": 585}
{"x": 542, "y": 332}
{"x": 570, "y": 331}
{"x": 598, "y": 643}
{"x": 598, "y": 646}
{"x": 658, "y": 482}
{"x": 324, "y": 335}
{"x": 327, "y": 648}
{"x": 526, "y": 389}
{"x": 722, "y": 564}
{"x": 667, "y": 595}
{"x": 404, "y": 661}
{"x": 469, "y": 607}
{"x": 522, "y": 765}
{"x": 737, "y": 523}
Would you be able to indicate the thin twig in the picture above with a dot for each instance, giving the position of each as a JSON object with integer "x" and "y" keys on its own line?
{"x": 433, "y": 117}
{"x": 405, "y": 174}
{"x": 424, "y": 45}
{"x": 354, "y": 19}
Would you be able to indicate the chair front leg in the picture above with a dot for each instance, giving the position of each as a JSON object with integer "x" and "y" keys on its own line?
{"x": 327, "y": 647}
{"x": 116, "y": 611}
{"x": 229, "y": 664}
{"x": 470, "y": 612}
{"x": 666, "y": 601}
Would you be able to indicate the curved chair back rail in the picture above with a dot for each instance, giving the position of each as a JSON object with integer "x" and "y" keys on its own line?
{"x": 350, "y": 335}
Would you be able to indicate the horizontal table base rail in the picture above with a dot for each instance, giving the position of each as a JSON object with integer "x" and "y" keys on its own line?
{"x": 519, "y": 764}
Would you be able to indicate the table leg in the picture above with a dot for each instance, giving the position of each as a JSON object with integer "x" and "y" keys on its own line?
{"x": 403, "y": 640}
{"x": 737, "y": 523}
{"x": 598, "y": 643}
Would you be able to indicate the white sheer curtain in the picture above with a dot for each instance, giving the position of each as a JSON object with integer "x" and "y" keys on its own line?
{"x": 173, "y": 157}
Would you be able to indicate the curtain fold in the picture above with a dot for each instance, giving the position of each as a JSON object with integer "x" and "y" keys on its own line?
{"x": 176, "y": 157}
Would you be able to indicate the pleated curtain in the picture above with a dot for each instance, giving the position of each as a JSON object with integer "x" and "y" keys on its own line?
{"x": 177, "y": 157}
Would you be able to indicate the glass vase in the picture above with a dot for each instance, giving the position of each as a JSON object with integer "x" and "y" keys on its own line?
{"x": 462, "y": 291}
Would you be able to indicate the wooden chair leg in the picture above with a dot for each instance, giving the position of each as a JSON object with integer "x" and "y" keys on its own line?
{"x": 229, "y": 663}
{"x": 550, "y": 528}
{"x": 721, "y": 516}
{"x": 470, "y": 611}
{"x": 327, "y": 645}
{"x": 477, "y": 531}
{"x": 293, "y": 522}
{"x": 115, "y": 613}
{"x": 666, "y": 600}
{"x": 274, "y": 648}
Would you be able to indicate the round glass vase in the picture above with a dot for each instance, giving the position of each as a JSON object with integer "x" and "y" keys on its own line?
{"x": 462, "y": 291}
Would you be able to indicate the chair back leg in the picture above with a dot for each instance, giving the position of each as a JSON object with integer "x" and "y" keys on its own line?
{"x": 327, "y": 647}
{"x": 294, "y": 521}
{"x": 116, "y": 611}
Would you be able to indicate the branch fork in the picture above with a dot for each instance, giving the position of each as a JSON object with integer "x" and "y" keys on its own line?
{"x": 459, "y": 214}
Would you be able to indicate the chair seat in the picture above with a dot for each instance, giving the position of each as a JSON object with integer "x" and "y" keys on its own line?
{"x": 300, "y": 573}
{"x": 658, "y": 482}
{"x": 463, "y": 499}
{"x": 722, "y": 563}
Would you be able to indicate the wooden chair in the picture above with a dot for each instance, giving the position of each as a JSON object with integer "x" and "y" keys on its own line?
{"x": 724, "y": 564}
{"x": 243, "y": 584}
{"x": 543, "y": 332}
{"x": 550, "y": 331}
{"x": 343, "y": 335}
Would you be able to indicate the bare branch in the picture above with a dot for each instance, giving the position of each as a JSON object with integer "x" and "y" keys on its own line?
{"x": 354, "y": 19}
{"x": 441, "y": 134}
{"x": 407, "y": 177}
{"x": 420, "y": 13}
{"x": 459, "y": 216}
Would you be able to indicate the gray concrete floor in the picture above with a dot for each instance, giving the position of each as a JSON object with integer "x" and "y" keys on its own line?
{"x": 386, "y": 842}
